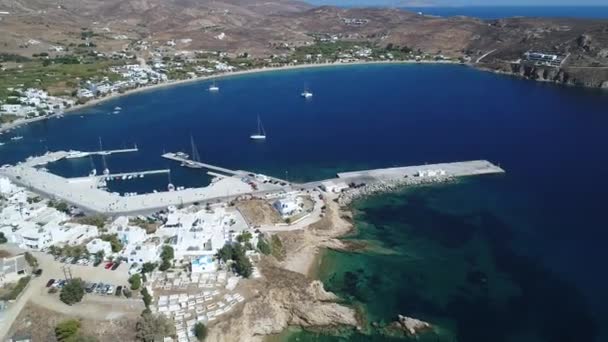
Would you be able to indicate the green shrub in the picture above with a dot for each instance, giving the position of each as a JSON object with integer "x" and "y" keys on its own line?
{"x": 72, "y": 292}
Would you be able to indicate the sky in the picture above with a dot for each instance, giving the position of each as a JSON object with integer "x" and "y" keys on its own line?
{"x": 460, "y": 2}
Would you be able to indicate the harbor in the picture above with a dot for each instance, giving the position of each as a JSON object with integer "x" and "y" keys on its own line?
{"x": 87, "y": 192}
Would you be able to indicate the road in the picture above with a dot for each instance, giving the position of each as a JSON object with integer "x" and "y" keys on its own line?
{"x": 484, "y": 56}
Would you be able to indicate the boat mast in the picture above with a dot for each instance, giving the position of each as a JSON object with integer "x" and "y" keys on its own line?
{"x": 195, "y": 156}
{"x": 260, "y": 127}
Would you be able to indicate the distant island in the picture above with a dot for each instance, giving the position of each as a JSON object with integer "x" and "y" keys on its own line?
{"x": 55, "y": 57}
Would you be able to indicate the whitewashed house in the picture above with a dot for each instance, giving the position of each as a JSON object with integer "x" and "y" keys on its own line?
{"x": 96, "y": 245}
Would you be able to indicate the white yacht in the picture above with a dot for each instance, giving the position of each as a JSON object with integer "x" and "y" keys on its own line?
{"x": 76, "y": 154}
{"x": 261, "y": 134}
{"x": 17, "y": 138}
{"x": 1, "y": 144}
{"x": 213, "y": 87}
{"x": 117, "y": 108}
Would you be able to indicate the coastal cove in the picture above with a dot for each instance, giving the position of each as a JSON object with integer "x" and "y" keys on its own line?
{"x": 468, "y": 256}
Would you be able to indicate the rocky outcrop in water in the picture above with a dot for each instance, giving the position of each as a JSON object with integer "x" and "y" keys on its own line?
{"x": 411, "y": 326}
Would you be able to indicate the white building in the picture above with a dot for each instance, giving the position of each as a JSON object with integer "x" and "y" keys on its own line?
{"x": 13, "y": 268}
{"x": 431, "y": 173}
{"x": 286, "y": 206}
{"x": 96, "y": 245}
{"x": 197, "y": 234}
{"x": 33, "y": 236}
{"x": 336, "y": 187}
{"x": 127, "y": 234}
{"x": 148, "y": 251}
{"x": 6, "y": 187}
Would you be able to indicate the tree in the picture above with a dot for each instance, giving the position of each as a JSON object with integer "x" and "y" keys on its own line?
{"x": 3, "y": 238}
{"x": 165, "y": 265}
{"x": 242, "y": 266}
{"x": 148, "y": 267}
{"x": 167, "y": 253}
{"x": 72, "y": 292}
{"x": 225, "y": 253}
{"x": 200, "y": 331}
{"x": 98, "y": 257}
{"x": 67, "y": 329}
{"x": 263, "y": 246}
{"x": 31, "y": 260}
{"x": 146, "y": 297}
{"x": 244, "y": 237}
{"x": 152, "y": 327}
{"x": 166, "y": 256}
{"x": 135, "y": 281}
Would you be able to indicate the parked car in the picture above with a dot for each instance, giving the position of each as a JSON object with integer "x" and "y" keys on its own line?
{"x": 116, "y": 264}
{"x": 118, "y": 290}
{"x": 110, "y": 290}
{"x": 38, "y": 272}
{"x": 91, "y": 288}
{"x": 50, "y": 282}
{"x": 99, "y": 288}
{"x": 108, "y": 265}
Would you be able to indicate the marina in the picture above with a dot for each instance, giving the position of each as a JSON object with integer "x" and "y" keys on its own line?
{"x": 85, "y": 192}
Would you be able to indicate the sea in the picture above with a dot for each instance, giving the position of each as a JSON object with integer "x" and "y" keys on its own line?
{"x": 518, "y": 257}
{"x": 499, "y": 12}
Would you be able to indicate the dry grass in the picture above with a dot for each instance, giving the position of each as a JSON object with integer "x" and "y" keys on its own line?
{"x": 258, "y": 212}
{"x": 40, "y": 324}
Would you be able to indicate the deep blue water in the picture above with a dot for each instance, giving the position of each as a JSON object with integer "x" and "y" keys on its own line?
{"x": 550, "y": 139}
{"x": 498, "y": 12}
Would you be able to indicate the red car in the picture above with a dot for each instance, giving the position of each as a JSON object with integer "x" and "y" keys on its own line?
{"x": 108, "y": 265}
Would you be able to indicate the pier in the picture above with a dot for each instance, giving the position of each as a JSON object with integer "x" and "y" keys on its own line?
{"x": 118, "y": 176}
{"x": 79, "y": 154}
{"x": 197, "y": 164}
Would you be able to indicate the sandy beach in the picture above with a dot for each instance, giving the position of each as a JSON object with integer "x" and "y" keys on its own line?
{"x": 113, "y": 96}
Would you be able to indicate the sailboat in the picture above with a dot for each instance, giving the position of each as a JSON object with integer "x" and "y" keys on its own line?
{"x": 196, "y": 158}
{"x": 261, "y": 134}
{"x": 213, "y": 87}
{"x": 170, "y": 186}
{"x": 306, "y": 93}
{"x": 93, "y": 172}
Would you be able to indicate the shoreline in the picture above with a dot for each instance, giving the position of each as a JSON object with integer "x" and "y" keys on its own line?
{"x": 95, "y": 102}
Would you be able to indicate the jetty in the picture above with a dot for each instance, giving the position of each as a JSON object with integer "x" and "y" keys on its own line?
{"x": 124, "y": 176}
{"x": 79, "y": 154}
{"x": 85, "y": 193}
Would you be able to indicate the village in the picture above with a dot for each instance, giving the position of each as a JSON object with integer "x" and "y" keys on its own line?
{"x": 173, "y": 258}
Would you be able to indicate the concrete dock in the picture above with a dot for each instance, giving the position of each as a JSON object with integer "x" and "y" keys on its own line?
{"x": 84, "y": 193}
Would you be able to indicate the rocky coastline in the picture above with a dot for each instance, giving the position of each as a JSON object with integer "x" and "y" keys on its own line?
{"x": 365, "y": 190}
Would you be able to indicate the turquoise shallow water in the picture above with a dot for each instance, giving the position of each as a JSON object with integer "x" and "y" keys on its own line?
{"x": 448, "y": 254}
{"x": 537, "y": 234}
